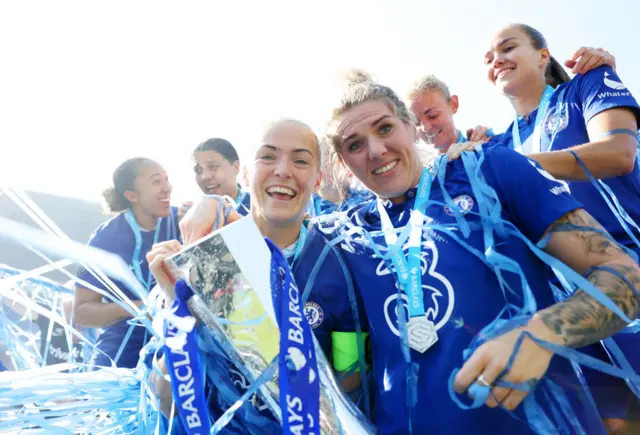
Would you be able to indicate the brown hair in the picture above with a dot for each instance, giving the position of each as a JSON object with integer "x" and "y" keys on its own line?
{"x": 221, "y": 146}
{"x": 555, "y": 74}
{"x": 124, "y": 178}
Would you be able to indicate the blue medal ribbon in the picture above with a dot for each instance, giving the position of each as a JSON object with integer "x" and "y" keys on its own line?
{"x": 292, "y": 253}
{"x": 540, "y": 117}
{"x": 135, "y": 264}
{"x": 407, "y": 269}
{"x": 297, "y": 364}
{"x": 137, "y": 233}
{"x": 185, "y": 370}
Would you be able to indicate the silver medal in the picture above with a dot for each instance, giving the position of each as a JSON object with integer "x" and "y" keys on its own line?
{"x": 422, "y": 333}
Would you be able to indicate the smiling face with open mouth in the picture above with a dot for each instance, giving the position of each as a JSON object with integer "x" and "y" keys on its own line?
{"x": 512, "y": 62}
{"x": 286, "y": 172}
{"x": 152, "y": 191}
{"x": 435, "y": 116}
{"x": 214, "y": 174}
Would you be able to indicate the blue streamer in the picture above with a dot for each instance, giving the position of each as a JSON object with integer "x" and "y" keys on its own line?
{"x": 534, "y": 413}
{"x": 616, "y": 208}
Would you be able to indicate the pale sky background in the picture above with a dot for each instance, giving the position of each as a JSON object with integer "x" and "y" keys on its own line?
{"x": 85, "y": 85}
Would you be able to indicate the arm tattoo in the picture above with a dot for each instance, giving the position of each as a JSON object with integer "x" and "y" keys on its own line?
{"x": 581, "y": 320}
{"x": 593, "y": 237}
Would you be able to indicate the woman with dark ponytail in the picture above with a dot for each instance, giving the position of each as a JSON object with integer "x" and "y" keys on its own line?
{"x": 141, "y": 195}
{"x": 584, "y": 131}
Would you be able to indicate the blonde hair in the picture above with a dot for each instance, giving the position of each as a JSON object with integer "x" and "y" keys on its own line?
{"x": 426, "y": 84}
{"x": 359, "y": 89}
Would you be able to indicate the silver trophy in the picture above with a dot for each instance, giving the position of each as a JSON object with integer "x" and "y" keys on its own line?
{"x": 229, "y": 272}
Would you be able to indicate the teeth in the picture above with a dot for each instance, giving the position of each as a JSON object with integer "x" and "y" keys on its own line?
{"x": 386, "y": 168}
{"x": 428, "y": 137}
{"x": 504, "y": 71}
{"x": 281, "y": 189}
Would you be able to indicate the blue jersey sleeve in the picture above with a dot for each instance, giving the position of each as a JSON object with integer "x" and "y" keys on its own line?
{"x": 103, "y": 238}
{"x": 108, "y": 237}
{"x": 601, "y": 89}
{"x": 328, "y": 307}
{"x": 531, "y": 196}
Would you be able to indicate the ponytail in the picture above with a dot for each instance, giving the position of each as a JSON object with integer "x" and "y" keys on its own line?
{"x": 124, "y": 178}
{"x": 115, "y": 201}
{"x": 555, "y": 75}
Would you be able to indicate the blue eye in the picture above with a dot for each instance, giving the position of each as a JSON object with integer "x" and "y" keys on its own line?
{"x": 354, "y": 146}
{"x": 385, "y": 129}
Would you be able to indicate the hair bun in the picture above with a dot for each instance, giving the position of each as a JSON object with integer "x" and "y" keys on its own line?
{"x": 357, "y": 76}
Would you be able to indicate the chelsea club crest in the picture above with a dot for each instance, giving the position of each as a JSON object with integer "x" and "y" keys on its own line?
{"x": 314, "y": 314}
{"x": 464, "y": 204}
{"x": 555, "y": 123}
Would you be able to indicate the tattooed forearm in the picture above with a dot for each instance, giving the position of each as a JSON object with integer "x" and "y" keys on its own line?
{"x": 593, "y": 238}
{"x": 580, "y": 320}
{"x": 582, "y": 243}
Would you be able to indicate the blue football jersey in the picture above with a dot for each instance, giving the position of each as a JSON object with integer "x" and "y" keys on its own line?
{"x": 461, "y": 294}
{"x": 572, "y": 106}
{"x": 328, "y": 307}
{"x": 116, "y": 236}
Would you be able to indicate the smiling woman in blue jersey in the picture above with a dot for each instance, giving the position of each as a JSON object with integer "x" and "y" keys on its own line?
{"x": 592, "y": 117}
{"x": 284, "y": 174}
{"x": 567, "y": 125}
{"x": 372, "y": 132}
{"x": 434, "y": 105}
{"x": 141, "y": 195}
{"x": 216, "y": 166}
{"x": 459, "y": 290}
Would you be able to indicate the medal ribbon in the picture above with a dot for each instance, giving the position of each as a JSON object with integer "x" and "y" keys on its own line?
{"x": 540, "y": 116}
{"x": 408, "y": 269}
